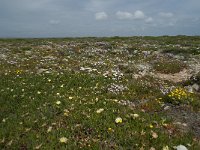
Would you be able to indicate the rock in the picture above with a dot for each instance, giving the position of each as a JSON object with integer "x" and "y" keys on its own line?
{"x": 136, "y": 76}
{"x": 189, "y": 89}
{"x": 125, "y": 45}
{"x": 28, "y": 53}
{"x": 146, "y": 53}
{"x": 179, "y": 57}
{"x": 49, "y": 57}
{"x": 2, "y": 56}
{"x": 135, "y": 51}
{"x": 41, "y": 70}
{"x": 181, "y": 147}
{"x": 195, "y": 87}
{"x": 166, "y": 107}
{"x": 143, "y": 67}
{"x": 195, "y": 78}
{"x": 66, "y": 60}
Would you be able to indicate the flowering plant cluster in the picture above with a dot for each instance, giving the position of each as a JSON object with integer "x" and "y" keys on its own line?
{"x": 178, "y": 95}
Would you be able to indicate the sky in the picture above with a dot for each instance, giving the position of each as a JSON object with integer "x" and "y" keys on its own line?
{"x": 81, "y": 18}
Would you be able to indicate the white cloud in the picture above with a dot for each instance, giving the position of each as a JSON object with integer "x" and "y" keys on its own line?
{"x": 53, "y": 22}
{"x": 166, "y": 15}
{"x": 139, "y": 14}
{"x": 170, "y": 24}
{"x": 149, "y": 20}
{"x": 124, "y": 15}
{"x": 101, "y": 16}
{"x": 127, "y": 15}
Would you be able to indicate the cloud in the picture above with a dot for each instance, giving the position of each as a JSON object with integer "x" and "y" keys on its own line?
{"x": 149, "y": 20}
{"x": 101, "y": 16}
{"x": 166, "y": 15}
{"x": 124, "y": 15}
{"x": 127, "y": 15}
{"x": 54, "y": 22}
{"x": 139, "y": 14}
{"x": 38, "y": 18}
{"x": 171, "y": 24}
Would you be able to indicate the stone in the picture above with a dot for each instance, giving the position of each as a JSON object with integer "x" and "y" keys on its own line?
{"x": 41, "y": 70}
{"x": 195, "y": 87}
{"x": 189, "y": 89}
{"x": 166, "y": 107}
{"x": 28, "y": 53}
{"x": 2, "y": 56}
{"x": 135, "y": 51}
{"x": 181, "y": 147}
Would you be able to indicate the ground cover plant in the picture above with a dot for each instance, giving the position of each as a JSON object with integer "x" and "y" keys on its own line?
{"x": 169, "y": 66}
{"x": 100, "y": 93}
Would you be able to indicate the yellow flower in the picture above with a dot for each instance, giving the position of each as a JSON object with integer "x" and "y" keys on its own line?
{"x": 165, "y": 148}
{"x": 118, "y": 120}
{"x": 70, "y": 97}
{"x": 63, "y": 140}
{"x": 110, "y": 130}
{"x": 18, "y": 71}
{"x": 151, "y": 126}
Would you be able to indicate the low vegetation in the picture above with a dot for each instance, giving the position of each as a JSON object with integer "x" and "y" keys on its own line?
{"x": 98, "y": 93}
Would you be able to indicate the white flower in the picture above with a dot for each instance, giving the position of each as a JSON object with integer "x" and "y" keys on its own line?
{"x": 49, "y": 129}
{"x": 70, "y": 97}
{"x": 63, "y": 140}
{"x": 99, "y": 110}
{"x": 58, "y": 102}
{"x": 135, "y": 115}
{"x": 118, "y": 120}
{"x": 66, "y": 112}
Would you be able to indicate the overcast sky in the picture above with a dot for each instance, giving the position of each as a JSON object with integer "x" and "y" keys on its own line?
{"x": 72, "y": 18}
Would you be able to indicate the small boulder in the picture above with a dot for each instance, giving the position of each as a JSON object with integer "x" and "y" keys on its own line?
{"x": 181, "y": 147}
{"x": 196, "y": 87}
{"x": 39, "y": 71}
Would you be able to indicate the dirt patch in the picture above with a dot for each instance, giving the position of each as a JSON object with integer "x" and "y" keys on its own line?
{"x": 177, "y": 77}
